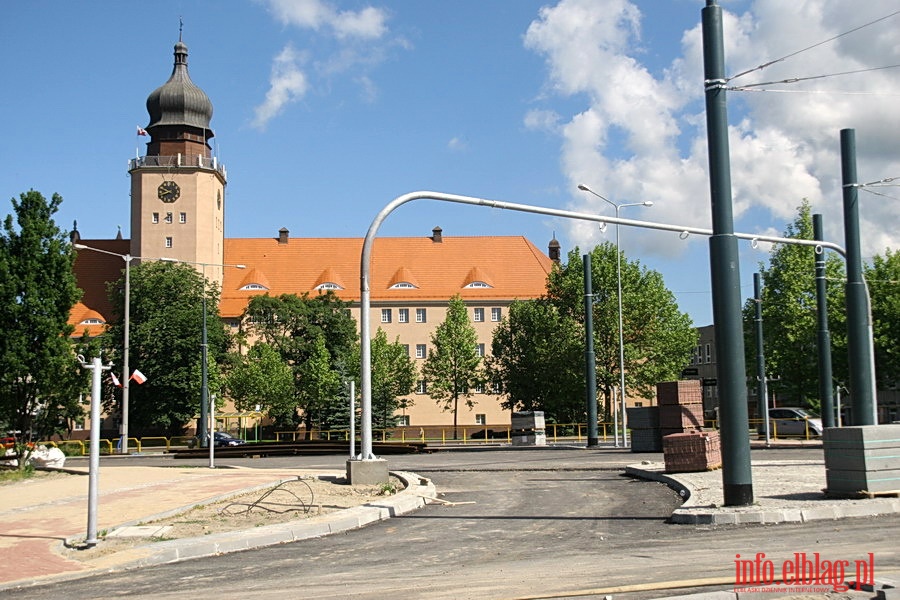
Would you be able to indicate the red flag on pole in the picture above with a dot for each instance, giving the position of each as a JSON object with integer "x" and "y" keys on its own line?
{"x": 115, "y": 379}
{"x": 138, "y": 376}
{"x": 141, "y": 131}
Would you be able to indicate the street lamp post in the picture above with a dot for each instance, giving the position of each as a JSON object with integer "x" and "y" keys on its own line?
{"x": 648, "y": 203}
{"x": 123, "y": 442}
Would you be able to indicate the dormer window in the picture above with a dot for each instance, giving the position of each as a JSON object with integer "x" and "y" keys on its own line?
{"x": 402, "y": 285}
{"x": 478, "y": 284}
{"x": 328, "y": 285}
{"x": 254, "y": 287}
{"x": 92, "y": 321}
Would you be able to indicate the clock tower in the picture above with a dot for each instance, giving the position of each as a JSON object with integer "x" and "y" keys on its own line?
{"x": 178, "y": 188}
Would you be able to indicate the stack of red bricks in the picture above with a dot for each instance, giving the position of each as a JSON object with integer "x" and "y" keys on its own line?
{"x": 693, "y": 451}
{"x": 686, "y": 447}
{"x": 680, "y": 406}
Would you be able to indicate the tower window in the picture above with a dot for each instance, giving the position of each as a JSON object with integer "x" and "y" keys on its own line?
{"x": 168, "y": 242}
{"x": 182, "y": 217}
{"x": 168, "y": 217}
{"x": 155, "y": 218}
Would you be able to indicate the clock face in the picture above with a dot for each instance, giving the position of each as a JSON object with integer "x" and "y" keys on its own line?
{"x": 168, "y": 191}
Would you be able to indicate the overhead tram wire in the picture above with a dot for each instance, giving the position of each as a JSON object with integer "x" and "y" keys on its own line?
{"x": 744, "y": 88}
{"x": 816, "y": 45}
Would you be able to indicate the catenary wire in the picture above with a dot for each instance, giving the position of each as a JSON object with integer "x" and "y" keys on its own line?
{"x": 816, "y": 45}
{"x": 799, "y": 79}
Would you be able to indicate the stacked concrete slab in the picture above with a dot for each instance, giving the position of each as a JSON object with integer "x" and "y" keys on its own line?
{"x": 643, "y": 423}
{"x": 528, "y": 428}
{"x": 862, "y": 460}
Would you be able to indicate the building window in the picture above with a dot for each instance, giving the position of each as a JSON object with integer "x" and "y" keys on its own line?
{"x": 480, "y": 419}
{"x": 495, "y": 387}
{"x": 478, "y": 317}
{"x": 478, "y": 284}
{"x": 402, "y": 285}
{"x": 328, "y": 285}
{"x": 479, "y": 349}
{"x": 155, "y": 218}
{"x": 385, "y": 315}
{"x": 168, "y": 217}
{"x": 479, "y": 388}
{"x": 406, "y": 349}
{"x": 420, "y": 315}
{"x": 182, "y": 217}
{"x": 421, "y": 351}
{"x": 403, "y": 315}
{"x": 254, "y": 286}
{"x": 421, "y": 387}
{"x": 496, "y": 314}
{"x": 708, "y": 353}
{"x": 168, "y": 242}
{"x": 403, "y": 421}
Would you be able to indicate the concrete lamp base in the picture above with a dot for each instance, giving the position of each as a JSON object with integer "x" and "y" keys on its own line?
{"x": 367, "y": 472}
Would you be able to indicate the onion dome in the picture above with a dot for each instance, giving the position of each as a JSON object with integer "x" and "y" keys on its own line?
{"x": 178, "y": 102}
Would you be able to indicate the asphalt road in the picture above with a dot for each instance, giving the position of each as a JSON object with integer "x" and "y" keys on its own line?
{"x": 517, "y": 524}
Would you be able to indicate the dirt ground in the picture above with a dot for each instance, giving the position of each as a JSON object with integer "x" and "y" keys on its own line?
{"x": 302, "y": 498}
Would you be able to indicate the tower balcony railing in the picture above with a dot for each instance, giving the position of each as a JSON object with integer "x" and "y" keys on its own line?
{"x": 194, "y": 161}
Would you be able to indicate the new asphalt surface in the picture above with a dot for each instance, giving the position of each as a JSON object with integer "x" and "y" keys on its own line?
{"x": 38, "y": 516}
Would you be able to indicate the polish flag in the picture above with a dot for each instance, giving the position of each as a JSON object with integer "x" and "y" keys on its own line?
{"x": 115, "y": 379}
{"x": 138, "y": 376}
{"x": 141, "y": 131}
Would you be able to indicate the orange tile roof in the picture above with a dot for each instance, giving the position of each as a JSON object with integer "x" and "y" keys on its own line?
{"x": 93, "y": 270}
{"x": 512, "y": 265}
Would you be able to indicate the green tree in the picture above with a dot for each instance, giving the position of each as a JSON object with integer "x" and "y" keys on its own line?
{"x": 393, "y": 376}
{"x": 883, "y": 277}
{"x": 790, "y": 320}
{"x": 537, "y": 361}
{"x": 261, "y": 378}
{"x": 453, "y": 368}
{"x": 658, "y": 338}
{"x": 165, "y": 343}
{"x": 40, "y": 378}
{"x": 300, "y": 328}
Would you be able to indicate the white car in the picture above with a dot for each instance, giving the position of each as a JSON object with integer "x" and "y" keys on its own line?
{"x": 791, "y": 421}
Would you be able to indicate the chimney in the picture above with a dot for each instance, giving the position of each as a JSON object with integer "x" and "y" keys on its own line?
{"x": 436, "y": 235}
{"x": 553, "y": 249}
{"x": 283, "y": 235}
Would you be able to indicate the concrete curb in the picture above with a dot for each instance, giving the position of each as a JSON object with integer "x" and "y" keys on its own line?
{"x": 689, "y": 514}
{"x": 415, "y": 495}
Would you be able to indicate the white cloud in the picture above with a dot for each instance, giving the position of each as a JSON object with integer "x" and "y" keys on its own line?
{"x": 368, "y": 23}
{"x": 640, "y": 134}
{"x": 457, "y": 144}
{"x": 287, "y": 84}
{"x": 360, "y": 46}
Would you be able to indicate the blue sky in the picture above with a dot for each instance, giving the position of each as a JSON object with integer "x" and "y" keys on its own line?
{"x": 325, "y": 110}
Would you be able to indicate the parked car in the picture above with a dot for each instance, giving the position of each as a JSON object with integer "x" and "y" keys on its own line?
{"x": 791, "y": 421}
{"x": 222, "y": 439}
{"x": 226, "y": 439}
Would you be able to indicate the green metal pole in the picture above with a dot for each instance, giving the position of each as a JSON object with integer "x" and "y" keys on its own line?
{"x": 590, "y": 365}
{"x": 859, "y": 342}
{"x": 823, "y": 335}
{"x": 762, "y": 392}
{"x": 737, "y": 479}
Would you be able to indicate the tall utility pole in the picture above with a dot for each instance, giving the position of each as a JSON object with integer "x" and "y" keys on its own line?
{"x": 859, "y": 321}
{"x": 737, "y": 479}
{"x": 590, "y": 365}
{"x": 823, "y": 336}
